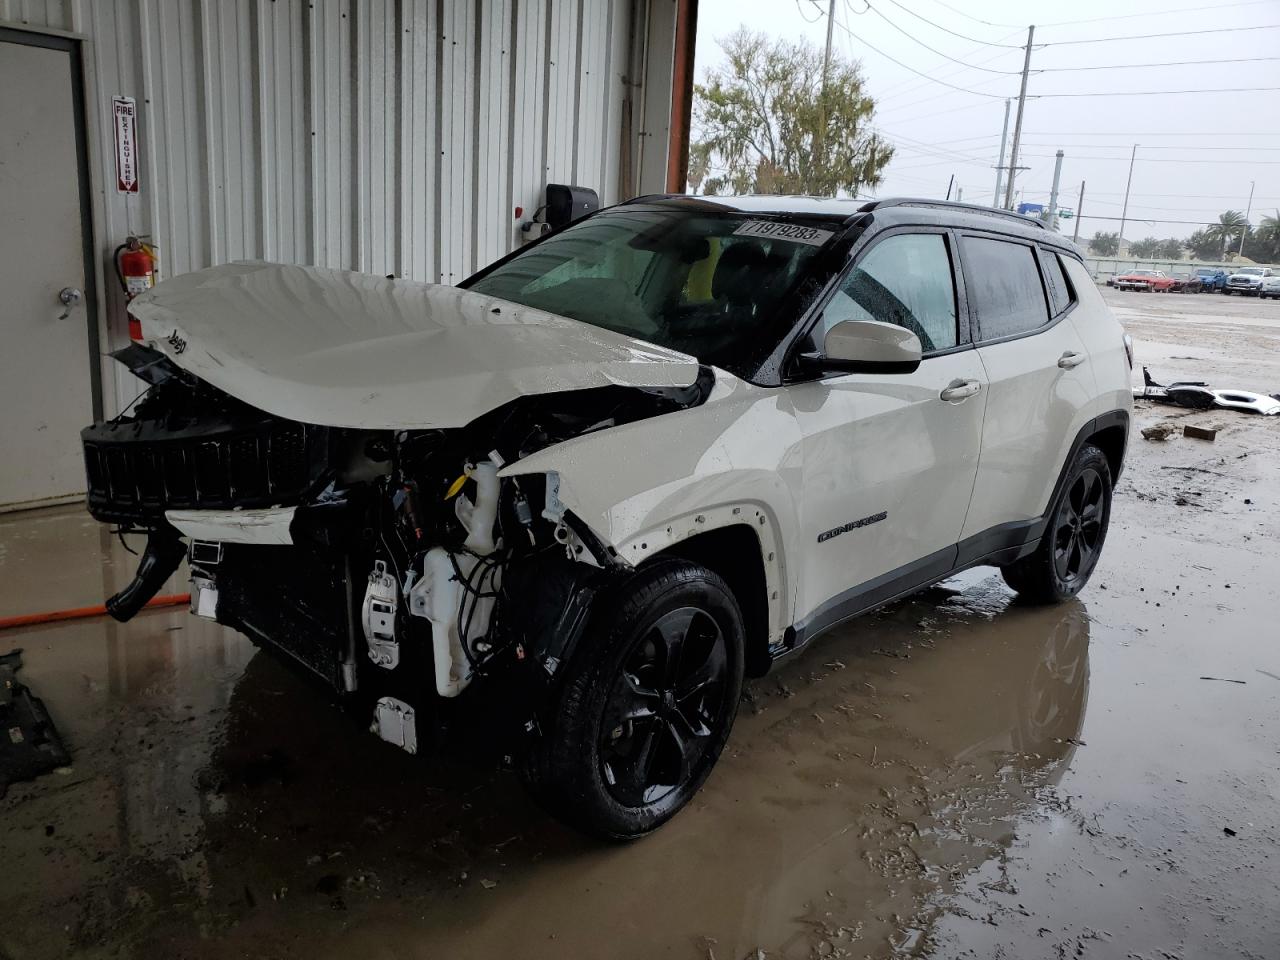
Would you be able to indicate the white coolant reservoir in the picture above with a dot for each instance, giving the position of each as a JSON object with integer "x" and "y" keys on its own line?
{"x": 439, "y": 594}
{"x": 479, "y": 517}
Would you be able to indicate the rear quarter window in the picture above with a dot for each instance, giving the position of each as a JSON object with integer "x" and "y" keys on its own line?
{"x": 1003, "y": 285}
{"x": 1061, "y": 295}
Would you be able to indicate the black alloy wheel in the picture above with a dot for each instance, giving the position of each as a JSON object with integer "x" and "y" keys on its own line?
{"x": 1068, "y": 551}
{"x": 643, "y": 707}
{"x": 660, "y": 715}
{"x": 1078, "y": 536}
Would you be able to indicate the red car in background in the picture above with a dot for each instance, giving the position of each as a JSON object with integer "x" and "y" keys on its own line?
{"x": 1145, "y": 280}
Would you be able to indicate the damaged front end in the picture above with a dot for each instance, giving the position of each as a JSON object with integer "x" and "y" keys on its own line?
{"x": 396, "y": 566}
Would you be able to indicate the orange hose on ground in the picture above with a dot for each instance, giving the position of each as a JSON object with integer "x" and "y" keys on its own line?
{"x": 80, "y": 613}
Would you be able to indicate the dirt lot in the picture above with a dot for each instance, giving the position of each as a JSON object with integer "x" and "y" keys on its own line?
{"x": 956, "y": 776}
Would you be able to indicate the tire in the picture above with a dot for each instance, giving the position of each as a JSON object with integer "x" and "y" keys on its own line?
{"x": 1072, "y": 542}
{"x": 629, "y": 716}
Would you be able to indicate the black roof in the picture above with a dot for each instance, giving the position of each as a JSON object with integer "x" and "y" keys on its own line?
{"x": 904, "y": 210}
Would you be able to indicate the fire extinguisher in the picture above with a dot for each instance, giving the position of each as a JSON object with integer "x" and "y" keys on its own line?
{"x": 135, "y": 261}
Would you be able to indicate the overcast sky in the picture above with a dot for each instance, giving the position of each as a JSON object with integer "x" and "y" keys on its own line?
{"x": 1197, "y": 152}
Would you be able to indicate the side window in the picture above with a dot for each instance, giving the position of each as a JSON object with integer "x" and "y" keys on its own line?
{"x": 905, "y": 280}
{"x": 1060, "y": 293}
{"x": 1003, "y": 285}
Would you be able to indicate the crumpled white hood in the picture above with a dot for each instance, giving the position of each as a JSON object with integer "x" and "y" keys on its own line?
{"x": 349, "y": 349}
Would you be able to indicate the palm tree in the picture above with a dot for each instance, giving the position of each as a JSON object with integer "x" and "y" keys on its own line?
{"x": 1228, "y": 228}
{"x": 1268, "y": 235}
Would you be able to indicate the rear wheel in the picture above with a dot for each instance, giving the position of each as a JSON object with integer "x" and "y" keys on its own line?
{"x": 646, "y": 705}
{"x": 1071, "y": 544}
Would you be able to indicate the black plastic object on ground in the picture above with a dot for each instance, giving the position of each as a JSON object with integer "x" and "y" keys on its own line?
{"x": 29, "y": 743}
{"x": 1194, "y": 393}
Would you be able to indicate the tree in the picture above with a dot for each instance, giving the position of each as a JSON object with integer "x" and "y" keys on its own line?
{"x": 1105, "y": 244}
{"x": 699, "y": 165}
{"x": 1146, "y": 249}
{"x": 765, "y": 122}
{"x": 1266, "y": 240}
{"x": 1226, "y": 232}
{"x": 1203, "y": 246}
{"x": 1170, "y": 249}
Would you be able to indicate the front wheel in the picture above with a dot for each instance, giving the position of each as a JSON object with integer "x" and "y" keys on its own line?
{"x": 1071, "y": 544}
{"x": 646, "y": 704}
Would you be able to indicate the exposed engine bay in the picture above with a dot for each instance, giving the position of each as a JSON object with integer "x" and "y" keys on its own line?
{"x": 397, "y": 567}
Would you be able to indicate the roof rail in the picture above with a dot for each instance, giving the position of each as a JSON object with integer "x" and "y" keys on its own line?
{"x": 951, "y": 205}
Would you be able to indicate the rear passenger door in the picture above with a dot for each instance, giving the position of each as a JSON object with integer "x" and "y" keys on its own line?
{"x": 1039, "y": 383}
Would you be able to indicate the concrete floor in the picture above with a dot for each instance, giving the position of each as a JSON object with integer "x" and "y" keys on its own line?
{"x": 957, "y": 775}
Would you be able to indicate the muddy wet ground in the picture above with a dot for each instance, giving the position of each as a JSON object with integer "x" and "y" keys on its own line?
{"x": 955, "y": 776}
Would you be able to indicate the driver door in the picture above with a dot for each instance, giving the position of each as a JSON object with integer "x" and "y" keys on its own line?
{"x": 888, "y": 460}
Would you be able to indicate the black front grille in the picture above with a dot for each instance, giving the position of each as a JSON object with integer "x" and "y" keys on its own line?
{"x": 142, "y": 468}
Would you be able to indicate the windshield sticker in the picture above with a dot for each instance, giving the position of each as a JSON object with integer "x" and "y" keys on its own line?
{"x": 792, "y": 233}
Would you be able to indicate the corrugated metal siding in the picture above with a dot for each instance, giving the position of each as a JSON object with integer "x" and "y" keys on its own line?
{"x": 389, "y": 137}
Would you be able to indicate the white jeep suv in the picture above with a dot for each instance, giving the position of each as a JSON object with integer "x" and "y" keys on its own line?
{"x": 584, "y": 494}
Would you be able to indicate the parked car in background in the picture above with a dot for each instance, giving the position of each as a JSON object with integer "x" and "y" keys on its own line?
{"x": 1186, "y": 283}
{"x": 1211, "y": 278}
{"x": 1145, "y": 280}
{"x": 1270, "y": 287}
{"x": 1248, "y": 280}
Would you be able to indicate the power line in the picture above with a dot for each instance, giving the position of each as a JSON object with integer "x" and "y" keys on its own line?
{"x": 1121, "y": 16}
{"x": 976, "y": 93}
{"x": 1218, "y": 160}
{"x": 1154, "y": 93}
{"x": 1132, "y": 219}
{"x": 800, "y": 10}
{"x": 1157, "y": 36}
{"x": 935, "y": 96}
{"x": 1166, "y": 146}
{"x": 1139, "y": 66}
{"x": 1180, "y": 196}
{"x": 925, "y": 116}
{"x": 967, "y": 16}
{"x": 922, "y": 147}
{"x": 985, "y": 43}
{"x": 1127, "y": 134}
{"x": 939, "y": 53}
{"x": 912, "y": 84}
{"x": 1155, "y": 13}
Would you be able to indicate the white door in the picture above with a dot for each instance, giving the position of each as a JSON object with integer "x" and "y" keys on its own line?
{"x": 45, "y": 385}
{"x": 888, "y": 459}
{"x": 1041, "y": 381}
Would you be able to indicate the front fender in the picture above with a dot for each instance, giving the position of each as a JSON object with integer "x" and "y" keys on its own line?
{"x": 647, "y": 485}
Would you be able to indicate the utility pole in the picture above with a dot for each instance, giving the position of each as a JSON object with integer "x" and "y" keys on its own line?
{"x": 1124, "y": 211}
{"x": 1245, "y": 230}
{"x": 1004, "y": 136}
{"x": 1075, "y": 235}
{"x": 1052, "y": 219}
{"x": 959, "y": 194}
{"x": 826, "y": 68}
{"x": 1017, "y": 124}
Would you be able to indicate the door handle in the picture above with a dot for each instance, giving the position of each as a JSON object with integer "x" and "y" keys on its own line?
{"x": 960, "y": 390}
{"x": 1071, "y": 359}
{"x": 68, "y": 297}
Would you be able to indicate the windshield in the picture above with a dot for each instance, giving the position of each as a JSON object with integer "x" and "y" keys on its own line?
{"x": 1142, "y": 273}
{"x": 706, "y": 283}
{"x": 1205, "y": 272}
{"x": 1251, "y": 271}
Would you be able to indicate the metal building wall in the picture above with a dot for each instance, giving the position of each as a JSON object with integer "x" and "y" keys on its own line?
{"x": 388, "y": 136}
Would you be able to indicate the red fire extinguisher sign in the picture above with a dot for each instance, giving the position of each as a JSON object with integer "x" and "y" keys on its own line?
{"x": 125, "y": 110}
